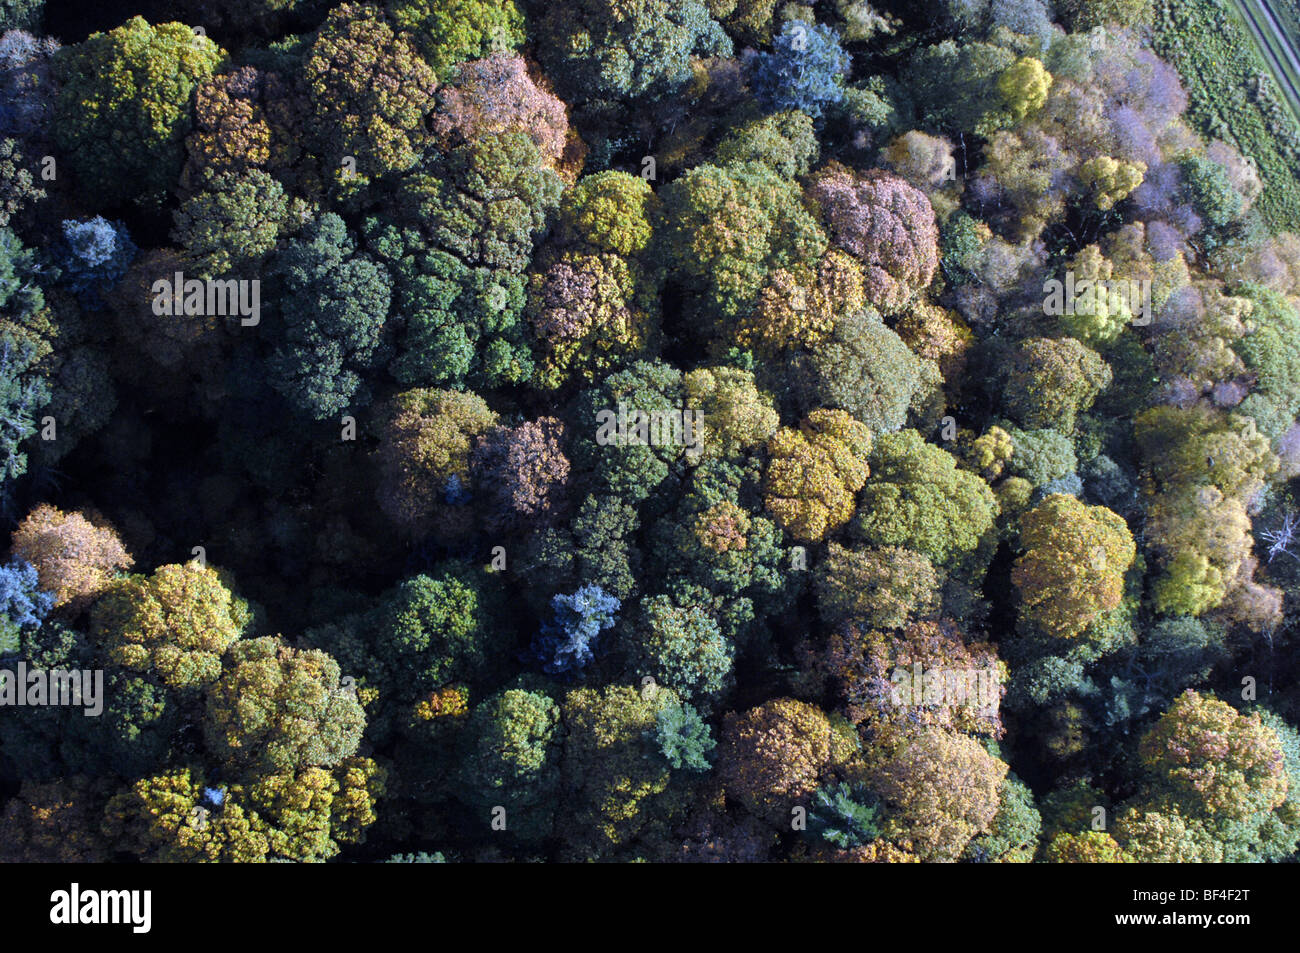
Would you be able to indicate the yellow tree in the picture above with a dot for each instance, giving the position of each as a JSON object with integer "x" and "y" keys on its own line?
{"x": 814, "y": 473}
{"x": 1073, "y": 566}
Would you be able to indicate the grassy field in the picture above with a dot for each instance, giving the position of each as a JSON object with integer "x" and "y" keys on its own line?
{"x": 1272, "y": 27}
{"x": 1236, "y": 93}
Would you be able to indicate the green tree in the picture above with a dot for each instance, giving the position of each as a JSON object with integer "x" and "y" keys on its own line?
{"x": 370, "y": 94}
{"x": 467, "y": 222}
{"x": 725, "y": 229}
{"x": 682, "y": 647}
{"x": 276, "y": 709}
{"x": 175, "y": 624}
{"x": 919, "y": 499}
{"x": 510, "y": 756}
{"x": 600, "y": 50}
{"x": 1051, "y": 381}
{"x": 124, "y": 107}
{"x": 448, "y": 32}
{"x": 331, "y": 304}
{"x": 612, "y": 789}
{"x": 863, "y": 367}
{"x": 232, "y": 223}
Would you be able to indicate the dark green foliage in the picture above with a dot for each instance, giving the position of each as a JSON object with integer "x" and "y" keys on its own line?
{"x": 332, "y": 303}
{"x": 683, "y": 737}
{"x": 439, "y": 628}
{"x": 458, "y": 266}
{"x": 123, "y": 108}
{"x": 510, "y": 757}
{"x": 600, "y": 50}
{"x": 844, "y": 815}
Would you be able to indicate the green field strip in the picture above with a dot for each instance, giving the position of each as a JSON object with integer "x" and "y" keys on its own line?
{"x": 1278, "y": 56}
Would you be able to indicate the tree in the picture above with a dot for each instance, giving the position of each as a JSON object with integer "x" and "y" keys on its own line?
{"x": 681, "y": 646}
{"x": 955, "y": 85}
{"x": 773, "y": 757}
{"x": 924, "y": 675}
{"x": 798, "y": 307}
{"x": 52, "y": 822}
{"x": 939, "y": 790}
{"x": 123, "y": 107}
{"x": 467, "y": 222}
{"x": 783, "y": 141}
{"x": 331, "y": 305}
{"x": 737, "y": 416}
{"x": 925, "y": 161}
{"x": 369, "y": 92}
{"x": 590, "y": 313}
{"x": 94, "y": 254}
{"x": 862, "y": 367}
{"x": 627, "y": 466}
{"x": 805, "y": 69}
{"x": 1208, "y": 761}
{"x": 1090, "y": 847}
{"x": 1023, "y": 86}
{"x": 594, "y": 295}
{"x": 448, "y": 32}
{"x": 25, "y": 332}
{"x": 437, "y": 628}
{"x": 1073, "y": 566}
{"x": 1082, "y": 15}
{"x": 246, "y": 119}
{"x": 1165, "y": 837}
{"x": 1200, "y": 466}
{"x": 1111, "y": 180}
{"x": 882, "y": 587}
{"x": 613, "y": 788}
{"x": 566, "y": 643}
{"x": 173, "y": 817}
{"x": 75, "y": 557}
{"x": 814, "y": 472}
{"x": 1211, "y": 192}
{"x": 1051, "y": 381}
{"x": 524, "y": 471}
{"x": 27, "y": 79}
{"x": 21, "y": 15}
{"x": 510, "y": 756}
{"x": 920, "y": 500}
{"x": 1270, "y": 352}
{"x": 276, "y": 709}
{"x": 599, "y": 50}
{"x": 494, "y": 94}
{"x": 725, "y": 229}
{"x": 1042, "y": 457}
{"x": 843, "y": 815}
{"x": 17, "y": 187}
{"x": 232, "y": 222}
{"x": 22, "y": 604}
{"x": 426, "y": 444}
{"x": 1013, "y": 836}
{"x": 885, "y": 224}
{"x": 683, "y": 737}
{"x": 175, "y": 624}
